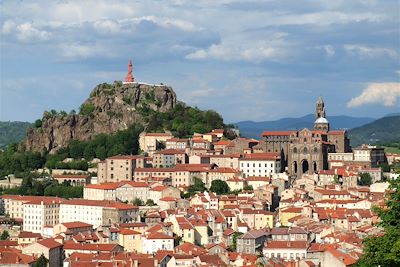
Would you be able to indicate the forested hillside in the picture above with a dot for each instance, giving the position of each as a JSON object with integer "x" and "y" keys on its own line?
{"x": 12, "y": 132}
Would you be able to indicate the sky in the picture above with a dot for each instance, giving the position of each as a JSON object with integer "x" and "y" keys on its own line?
{"x": 248, "y": 60}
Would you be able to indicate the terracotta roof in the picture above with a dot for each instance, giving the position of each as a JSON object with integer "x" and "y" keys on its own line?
{"x": 103, "y": 186}
{"x": 286, "y": 245}
{"x": 77, "y": 224}
{"x": 49, "y": 243}
{"x": 158, "y": 235}
{"x": 25, "y": 234}
{"x": 262, "y": 156}
{"x": 277, "y": 133}
{"x": 92, "y": 247}
{"x": 14, "y": 257}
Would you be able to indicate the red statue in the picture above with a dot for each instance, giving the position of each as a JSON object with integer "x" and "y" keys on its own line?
{"x": 129, "y": 77}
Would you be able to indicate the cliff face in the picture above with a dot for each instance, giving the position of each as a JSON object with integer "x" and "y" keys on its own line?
{"x": 109, "y": 108}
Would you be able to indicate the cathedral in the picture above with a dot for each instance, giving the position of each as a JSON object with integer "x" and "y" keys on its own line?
{"x": 306, "y": 151}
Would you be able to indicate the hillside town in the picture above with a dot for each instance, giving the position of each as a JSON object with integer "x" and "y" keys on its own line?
{"x": 291, "y": 198}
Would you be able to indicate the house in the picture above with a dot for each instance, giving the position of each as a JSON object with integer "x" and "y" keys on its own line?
{"x": 51, "y": 249}
{"x": 14, "y": 258}
{"x": 289, "y": 234}
{"x": 71, "y": 228}
{"x": 286, "y": 250}
{"x": 130, "y": 239}
{"x": 157, "y": 241}
{"x": 72, "y": 247}
{"x": 251, "y": 242}
{"x": 257, "y": 219}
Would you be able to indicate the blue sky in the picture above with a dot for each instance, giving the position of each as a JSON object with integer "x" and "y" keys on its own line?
{"x": 248, "y": 60}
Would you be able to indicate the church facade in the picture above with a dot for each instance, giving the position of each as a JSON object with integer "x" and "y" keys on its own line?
{"x": 306, "y": 151}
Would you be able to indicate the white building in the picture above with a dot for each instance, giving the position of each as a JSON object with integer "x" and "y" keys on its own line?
{"x": 260, "y": 164}
{"x": 157, "y": 241}
{"x": 40, "y": 213}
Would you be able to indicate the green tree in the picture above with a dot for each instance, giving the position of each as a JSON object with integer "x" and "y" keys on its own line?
{"x": 138, "y": 202}
{"x": 150, "y": 202}
{"x": 198, "y": 186}
{"x": 248, "y": 188}
{"x": 234, "y": 240}
{"x": 41, "y": 262}
{"x": 5, "y": 235}
{"x": 385, "y": 250}
{"x": 365, "y": 179}
{"x": 219, "y": 187}
{"x": 38, "y": 123}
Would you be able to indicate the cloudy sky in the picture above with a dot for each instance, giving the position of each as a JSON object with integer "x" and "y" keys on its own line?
{"x": 249, "y": 60}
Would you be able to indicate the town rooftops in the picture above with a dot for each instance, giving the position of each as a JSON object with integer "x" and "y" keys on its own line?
{"x": 262, "y": 156}
{"x": 253, "y": 234}
{"x": 11, "y": 257}
{"x": 49, "y": 243}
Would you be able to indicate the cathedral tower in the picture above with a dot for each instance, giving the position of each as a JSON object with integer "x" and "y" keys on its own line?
{"x": 321, "y": 123}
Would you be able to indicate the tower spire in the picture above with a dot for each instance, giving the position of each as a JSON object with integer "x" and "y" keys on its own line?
{"x": 129, "y": 77}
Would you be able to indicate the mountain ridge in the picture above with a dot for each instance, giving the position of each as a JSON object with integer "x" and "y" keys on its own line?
{"x": 254, "y": 129}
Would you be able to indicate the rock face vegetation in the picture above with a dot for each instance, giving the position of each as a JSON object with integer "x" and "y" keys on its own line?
{"x": 110, "y": 108}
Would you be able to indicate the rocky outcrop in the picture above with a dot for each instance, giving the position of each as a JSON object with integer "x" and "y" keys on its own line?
{"x": 109, "y": 108}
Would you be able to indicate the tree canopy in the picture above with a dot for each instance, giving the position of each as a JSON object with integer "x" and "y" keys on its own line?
{"x": 219, "y": 187}
{"x": 385, "y": 250}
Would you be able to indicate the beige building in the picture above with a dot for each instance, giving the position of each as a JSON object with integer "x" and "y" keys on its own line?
{"x": 130, "y": 190}
{"x": 151, "y": 142}
{"x": 97, "y": 212}
{"x": 118, "y": 168}
{"x": 49, "y": 248}
{"x": 104, "y": 191}
{"x": 13, "y": 205}
{"x": 130, "y": 239}
{"x": 142, "y": 174}
{"x": 169, "y": 158}
{"x": 158, "y": 192}
{"x": 71, "y": 228}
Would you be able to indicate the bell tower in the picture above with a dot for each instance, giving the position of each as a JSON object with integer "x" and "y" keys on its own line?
{"x": 320, "y": 108}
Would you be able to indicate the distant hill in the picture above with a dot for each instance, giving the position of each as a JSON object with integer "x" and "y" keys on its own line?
{"x": 383, "y": 130}
{"x": 12, "y": 132}
{"x": 254, "y": 129}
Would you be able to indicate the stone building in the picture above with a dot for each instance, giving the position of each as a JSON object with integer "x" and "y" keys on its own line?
{"x": 306, "y": 151}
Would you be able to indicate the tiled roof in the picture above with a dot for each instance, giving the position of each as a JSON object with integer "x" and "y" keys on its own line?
{"x": 49, "y": 243}
{"x": 70, "y": 225}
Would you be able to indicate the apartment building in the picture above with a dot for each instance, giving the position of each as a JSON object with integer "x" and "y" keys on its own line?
{"x": 40, "y": 213}
{"x": 169, "y": 158}
{"x": 13, "y": 205}
{"x": 118, "y": 168}
{"x": 260, "y": 164}
{"x": 97, "y": 212}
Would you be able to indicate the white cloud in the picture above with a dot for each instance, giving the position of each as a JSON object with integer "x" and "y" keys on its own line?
{"x": 27, "y": 33}
{"x": 369, "y": 52}
{"x": 387, "y": 94}
{"x": 166, "y": 22}
{"x": 77, "y": 50}
{"x": 106, "y": 26}
{"x": 8, "y": 27}
{"x": 250, "y": 51}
